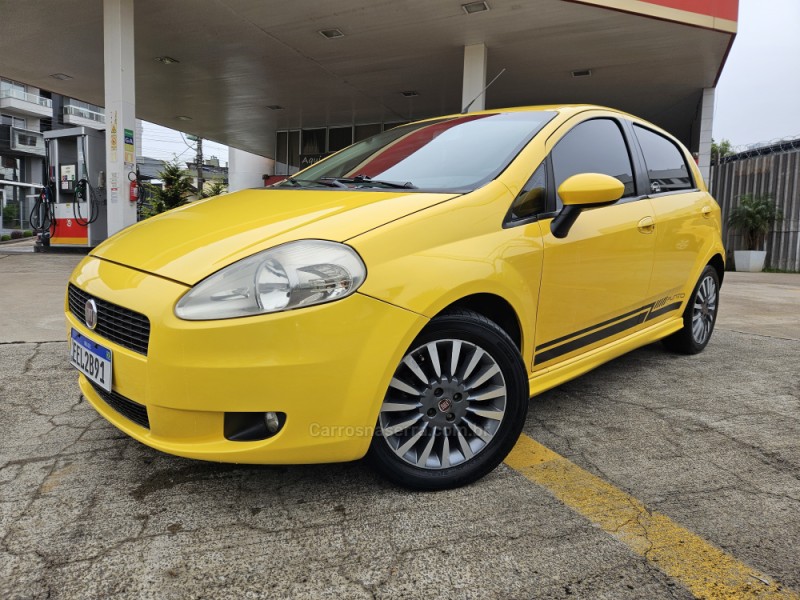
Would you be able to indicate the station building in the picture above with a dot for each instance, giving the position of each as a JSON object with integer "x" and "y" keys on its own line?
{"x": 286, "y": 83}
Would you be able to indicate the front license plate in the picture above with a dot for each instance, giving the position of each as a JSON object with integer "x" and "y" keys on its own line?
{"x": 91, "y": 359}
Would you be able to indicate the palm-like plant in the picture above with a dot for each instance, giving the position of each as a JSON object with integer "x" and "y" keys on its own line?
{"x": 174, "y": 193}
{"x": 214, "y": 189}
{"x": 753, "y": 217}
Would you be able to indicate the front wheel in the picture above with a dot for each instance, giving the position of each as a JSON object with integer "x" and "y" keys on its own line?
{"x": 699, "y": 317}
{"x": 455, "y": 406}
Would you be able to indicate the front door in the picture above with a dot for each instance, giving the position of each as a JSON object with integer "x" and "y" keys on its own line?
{"x": 595, "y": 280}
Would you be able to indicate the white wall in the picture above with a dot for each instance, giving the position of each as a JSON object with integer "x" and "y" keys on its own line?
{"x": 246, "y": 170}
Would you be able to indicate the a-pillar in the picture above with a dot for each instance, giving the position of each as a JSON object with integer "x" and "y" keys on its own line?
{"x": 474, "y": 77}
{"x": 246, "y": 170}
{"x": 120, "y": 92}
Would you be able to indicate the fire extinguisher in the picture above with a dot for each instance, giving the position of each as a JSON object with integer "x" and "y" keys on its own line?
{"x": 134, "y": 191}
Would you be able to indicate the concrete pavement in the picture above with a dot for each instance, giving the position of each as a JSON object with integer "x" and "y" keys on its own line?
{"x": 710, "y": 441}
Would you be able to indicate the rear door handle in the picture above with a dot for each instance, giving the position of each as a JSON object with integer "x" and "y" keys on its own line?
{"x": 647, "y": 225}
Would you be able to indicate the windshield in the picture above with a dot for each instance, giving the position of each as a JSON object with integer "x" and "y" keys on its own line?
{"x": 457, "y": 154}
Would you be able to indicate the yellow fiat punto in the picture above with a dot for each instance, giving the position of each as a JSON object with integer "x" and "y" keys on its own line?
{"x": 401, "y": 299}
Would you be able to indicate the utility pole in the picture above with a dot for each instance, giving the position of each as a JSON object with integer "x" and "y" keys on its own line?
{"x": 199, "y": 159}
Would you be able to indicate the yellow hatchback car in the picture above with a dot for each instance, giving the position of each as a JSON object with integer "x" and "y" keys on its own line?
{"x": 403, "y": 298}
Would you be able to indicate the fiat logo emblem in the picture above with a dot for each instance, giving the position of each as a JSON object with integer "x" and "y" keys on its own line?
{"x": 90, "y": 313}
{"x": 445, "y": 404}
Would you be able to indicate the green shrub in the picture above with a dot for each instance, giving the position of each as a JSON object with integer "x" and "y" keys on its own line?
{"x": 754, "y": 217}
{"x": 5, "y": 237}
{"x": 16, "y": 234}
{"x": 10, "y": 213}
{"x": 27, "y": 233}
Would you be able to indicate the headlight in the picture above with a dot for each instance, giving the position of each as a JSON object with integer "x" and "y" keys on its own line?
{"x": 289, "y": 276}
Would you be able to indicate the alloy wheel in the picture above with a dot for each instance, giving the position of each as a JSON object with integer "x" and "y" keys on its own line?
{"x": 444, "y": 405}
{"x": 704, "y": 311}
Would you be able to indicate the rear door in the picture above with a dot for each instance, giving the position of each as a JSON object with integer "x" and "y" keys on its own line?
{"x": 682, "y": 215}
{"x": 596, "y": 279}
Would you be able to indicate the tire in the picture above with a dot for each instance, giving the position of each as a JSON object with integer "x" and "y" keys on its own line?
{"x": 699, "y": 316}
{"x": 456, "y": 405}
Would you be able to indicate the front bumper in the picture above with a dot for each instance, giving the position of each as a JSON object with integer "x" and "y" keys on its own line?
{"x": 326, "y": 367}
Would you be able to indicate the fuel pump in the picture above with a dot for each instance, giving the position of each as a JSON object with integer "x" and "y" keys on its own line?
{"x": 76, "y": 193}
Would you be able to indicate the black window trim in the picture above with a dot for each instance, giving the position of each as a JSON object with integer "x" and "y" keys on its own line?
{"x": 635, "y": 156}
{"x": 645, "y": 174}
{"x": 628, "y": 147}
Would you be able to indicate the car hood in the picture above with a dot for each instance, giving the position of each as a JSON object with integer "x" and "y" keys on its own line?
{"x": 189, "y": 243}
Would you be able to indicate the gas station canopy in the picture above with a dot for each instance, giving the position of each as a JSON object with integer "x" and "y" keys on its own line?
{"x": 235, "y": 71}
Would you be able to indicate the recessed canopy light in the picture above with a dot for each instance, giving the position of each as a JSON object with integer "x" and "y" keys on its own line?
{"x": 331, "y": 34}
{"x": 167, "y": 60}
{"x": 61, "y": 76}
{"x": 410, "y": 94}
{"x": 274, "y": 107}
{"x": 475, "y": 7}
{"x": 582, "y": 73}
{"x": 183, "y": 118}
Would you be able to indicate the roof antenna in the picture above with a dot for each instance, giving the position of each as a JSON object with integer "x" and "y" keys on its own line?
{"x": 483, "y": 91}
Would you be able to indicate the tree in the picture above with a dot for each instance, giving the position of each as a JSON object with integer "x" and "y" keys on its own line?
{"x": 754, "y": 217}
{"x": 721, "y": 150}
{"x": 214, "y": 189}
{"x": 174, "y": 192}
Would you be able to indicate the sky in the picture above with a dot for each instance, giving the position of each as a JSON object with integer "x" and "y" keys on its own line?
{"x": 757, "y": 99}
{"x": 165, "y": 144}
{"x": 758, "y": 94}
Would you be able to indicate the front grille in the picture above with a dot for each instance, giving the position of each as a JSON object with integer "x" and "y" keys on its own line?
{"x": 127, "y": 408}
{"x": 120, "y": 325}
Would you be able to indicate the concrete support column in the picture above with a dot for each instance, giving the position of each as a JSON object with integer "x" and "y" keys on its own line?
{"x": 120, "y": 92}
{"x": 706, "y": 124}
{"x": 474, "y": 76}
{"x": 246, "y": 170}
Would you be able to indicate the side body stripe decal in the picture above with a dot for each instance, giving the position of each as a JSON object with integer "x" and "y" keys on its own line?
{"x": 584, "y": 337}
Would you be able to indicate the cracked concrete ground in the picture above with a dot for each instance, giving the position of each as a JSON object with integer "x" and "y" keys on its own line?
{"x": 711, "y": 441}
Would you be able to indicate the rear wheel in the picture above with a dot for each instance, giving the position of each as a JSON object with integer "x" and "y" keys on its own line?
{"x": 455, "y": 406}
{"x": 699, "y": 317}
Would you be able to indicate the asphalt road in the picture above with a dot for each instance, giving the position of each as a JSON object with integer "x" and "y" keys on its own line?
{"x": 710, "y": 442}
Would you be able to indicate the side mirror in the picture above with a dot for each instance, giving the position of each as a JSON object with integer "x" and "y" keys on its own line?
{"x": 584, "y": 191}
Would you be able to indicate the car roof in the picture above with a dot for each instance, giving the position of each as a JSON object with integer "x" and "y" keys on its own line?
{"x": 564, "y": 110}
{"x": 568, "y": 109}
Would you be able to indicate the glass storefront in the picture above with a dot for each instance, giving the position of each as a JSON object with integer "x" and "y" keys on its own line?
{"x": 296, "y": 149}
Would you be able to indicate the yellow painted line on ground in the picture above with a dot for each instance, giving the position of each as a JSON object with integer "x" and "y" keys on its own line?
{"x": 707, "y": 571}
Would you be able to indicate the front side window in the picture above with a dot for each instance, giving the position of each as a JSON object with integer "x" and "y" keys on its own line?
{"x": 666, "y": 165}
{"x": 595, "y": 146}
{"x": 457, "y": 154}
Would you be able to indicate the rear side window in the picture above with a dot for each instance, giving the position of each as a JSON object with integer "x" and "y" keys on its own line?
{"x": 666, "y": 164}
{"x": 595, "y": 146}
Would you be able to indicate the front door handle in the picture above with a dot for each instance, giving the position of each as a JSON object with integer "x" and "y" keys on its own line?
{"x": 647, "y": 225}
{"x": 706, "y": 210}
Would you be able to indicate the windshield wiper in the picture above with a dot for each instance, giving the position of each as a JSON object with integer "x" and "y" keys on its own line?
{"x": 303, "y": 182}
{"x": 368, "y": 180}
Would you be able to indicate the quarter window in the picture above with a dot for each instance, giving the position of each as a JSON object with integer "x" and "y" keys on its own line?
{"x": 531, "y": 200}
{"x": 666, "y": 165}
{"x": 595, "y": 146}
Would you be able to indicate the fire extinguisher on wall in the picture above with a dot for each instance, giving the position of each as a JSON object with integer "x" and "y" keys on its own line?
{"x": 134, "y": 189}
